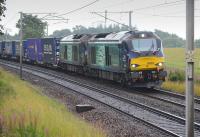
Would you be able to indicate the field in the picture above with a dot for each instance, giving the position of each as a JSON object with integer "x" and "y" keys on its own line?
{"x": 175, "y": 58}
{"x": 26, "y": 112}
{"x": 175, "y": 61}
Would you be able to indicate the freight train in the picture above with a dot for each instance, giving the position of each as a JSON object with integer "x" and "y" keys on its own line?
{"x": 133, "y": 58}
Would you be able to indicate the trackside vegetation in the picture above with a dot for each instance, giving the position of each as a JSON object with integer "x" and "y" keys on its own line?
{"x": 175, "y": 65}
{"x": 175, "y": 59}
{"x": 176, "y": 82}
{"x": 26, "y": 112}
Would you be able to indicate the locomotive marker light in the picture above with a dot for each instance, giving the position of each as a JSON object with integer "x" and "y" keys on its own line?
{"x": 189, "y": 68}
{"x": 142, "y": 35}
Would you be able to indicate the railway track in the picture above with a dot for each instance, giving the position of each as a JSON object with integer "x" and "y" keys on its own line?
{"x": 166, "y": 122}
{"x": 196, "y": 100}
{"x": 160, "y": 95}
{"x": 168, "y": 98}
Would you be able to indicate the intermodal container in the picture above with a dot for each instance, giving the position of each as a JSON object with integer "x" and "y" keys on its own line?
{"x": 34, "y": 50}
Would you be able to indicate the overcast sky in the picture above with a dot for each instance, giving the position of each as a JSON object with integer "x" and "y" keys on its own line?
{"x": 167, "y": 17}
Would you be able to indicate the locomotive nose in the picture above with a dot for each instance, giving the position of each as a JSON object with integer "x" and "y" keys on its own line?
{"x": 146, "y": 63}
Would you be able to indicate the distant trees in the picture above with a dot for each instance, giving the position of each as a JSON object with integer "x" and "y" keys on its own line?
{"x": 32, "y": 26}
{"x": 99, "y": 29}
{"x": 2, "y": 9}
{"x": 9, "y": 37}
{"x": 170, "y": 40}
{"x": 79, "y": 29}
{"x": 61, "y": 33}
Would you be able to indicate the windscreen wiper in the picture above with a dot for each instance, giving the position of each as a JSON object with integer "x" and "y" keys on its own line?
{"x": 136, "y": 51}
{"x": 154, "y": 52}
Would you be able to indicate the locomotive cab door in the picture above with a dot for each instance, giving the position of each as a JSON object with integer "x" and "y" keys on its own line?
{"x": 123, "y": 51}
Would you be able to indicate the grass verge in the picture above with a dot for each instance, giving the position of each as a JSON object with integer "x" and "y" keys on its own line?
{"x": 179, "y": 87}
{"x": 175, "y": 63}
{"x": 176, "y": 82}
{"x": 175, "y": 59}
{"x": 25, "y": 112}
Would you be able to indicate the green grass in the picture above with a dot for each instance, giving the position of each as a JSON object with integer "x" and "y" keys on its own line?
{"x": 175, "y": 58}
{"x": 175, "y": 62}
{"x": 180, "y": 87}
{"x": 28, "y": 113}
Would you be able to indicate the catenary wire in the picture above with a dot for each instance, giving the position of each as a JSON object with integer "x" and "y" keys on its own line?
{"x": 80, "y": 8}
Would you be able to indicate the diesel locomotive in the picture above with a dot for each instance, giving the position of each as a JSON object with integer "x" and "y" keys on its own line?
{"x": 133, "y": 58}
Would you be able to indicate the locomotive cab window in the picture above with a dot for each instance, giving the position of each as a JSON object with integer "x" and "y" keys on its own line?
{"x": 144, "y": 45}
{"x": 147, "y": 47}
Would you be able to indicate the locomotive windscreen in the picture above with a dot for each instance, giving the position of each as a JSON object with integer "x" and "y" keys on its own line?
{"x": 144, "y": 45}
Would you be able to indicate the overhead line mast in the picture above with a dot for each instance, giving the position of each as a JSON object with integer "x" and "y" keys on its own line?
{"x": 189, "y": 68}
{"x": 118, "y": 12}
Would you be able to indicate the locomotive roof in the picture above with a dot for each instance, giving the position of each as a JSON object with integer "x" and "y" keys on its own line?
{"x": 117, "y": 37}
{"x": 76, "y": 37}
{"x": 124, "y": 35}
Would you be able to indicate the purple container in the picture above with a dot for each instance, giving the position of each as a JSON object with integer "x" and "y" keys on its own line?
{"x": 8, "y": 49}
{"x": 34, "y": 50}
{"x": 50, "y": 50}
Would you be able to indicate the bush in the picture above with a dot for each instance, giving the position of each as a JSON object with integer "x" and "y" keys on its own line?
{"x": 176, "y": 76}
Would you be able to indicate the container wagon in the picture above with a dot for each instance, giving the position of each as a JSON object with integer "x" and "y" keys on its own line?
{"x": 50, "y": 51}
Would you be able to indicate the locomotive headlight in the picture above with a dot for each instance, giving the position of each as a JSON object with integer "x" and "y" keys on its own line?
{"x": 134, "y": 65}
{"x": 160, "y": 64}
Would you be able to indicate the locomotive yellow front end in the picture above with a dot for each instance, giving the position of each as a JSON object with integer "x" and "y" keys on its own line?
{"x": 146, "y": 60}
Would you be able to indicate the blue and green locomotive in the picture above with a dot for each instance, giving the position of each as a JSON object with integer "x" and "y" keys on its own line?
{"x": 134, "y": 58}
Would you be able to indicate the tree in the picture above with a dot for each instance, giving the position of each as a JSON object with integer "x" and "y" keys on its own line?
{"x": 61, "y": 33}
{"x": 78, "y": 29}
{"x": 2, "y": 9}
{"x": 9, "y": 37}
{"x": 170, "y": 40}
{"x": 32, "y": 26}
